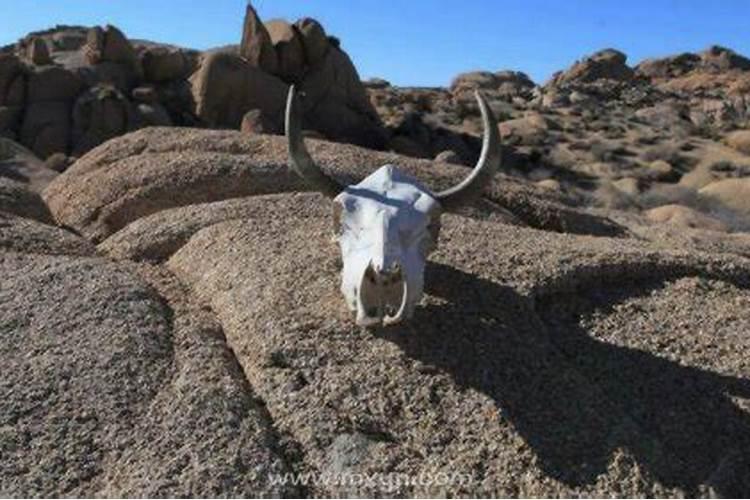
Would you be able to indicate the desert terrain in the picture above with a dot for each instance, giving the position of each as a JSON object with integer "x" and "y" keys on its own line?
{"x": 170, "y": 318}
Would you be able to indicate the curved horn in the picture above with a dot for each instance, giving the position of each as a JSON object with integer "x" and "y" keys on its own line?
{"x": 489, "y": 162}
{"x": 300, "y": 159}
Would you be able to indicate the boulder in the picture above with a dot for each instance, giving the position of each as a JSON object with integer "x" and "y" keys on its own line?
{"x": 155, "y": 169}
{"x": 59, "y": 162}
{"x": 13, "y": 80}
{"x": 449, "y": 156}
{"x": 606, "y": 64}
{"x": 177, "y": 98}
{"x": 25, "y": 235}
{"x": 739, "y": 140}
{"x": 123, "y": 76}
{"x": 550, "y": 184}
{"x": 376, "y": 83}
{"x": 156, "y": 237}
{"x": 491, "y": 403}
{"x": 256, "y": 46}
{"x": 115, "y": 385}
{"x": 628, "y": 185}
{"x": 37, "y": 52}
{"x": 109, "y": 45}
{"x": 290, "y": 51}
{"x": 12, "y": 93}
{"x": 729, "y": 194}
{"x": 71, "y": 39}
{"x": 225, "y": 87}
{"x": 16, "y": 198}
{"x": 46, "y": 127}
{"x": 661, "y": 170}
{"x": 669, "y": 117}
{"x": 314, "y": 40}
{"x": 158, "y": 168}
{"x": 336, "y": 103}
{"x": 528, "y": 130}
{"x": 681, "y": 216}
{"x": 483, "y": 80}
{"x": 504, "y": 83}
{"x": 161, "y": 64}
{"x": 19, "y": 164}
{"x": 717, "y": 58}
{"x": 100, "y": 114}
{"x": 254, "y": 122}
{"x": 53, "y": 83}
{"x": 668, "y": 67}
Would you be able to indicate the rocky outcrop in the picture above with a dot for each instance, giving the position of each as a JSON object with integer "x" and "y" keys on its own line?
{"x": 315, "y": 42}
{"x": 336, "y": 104}
{"x": 225, "y": 87}
{"x": 159, "y": 168}
{"x": 256, "y": 46}
{"x": 163, "y": 64}
{"x": 502, "y": 84}
{"x": 99, "y": 114}
{"x": 290, "y": 52}
{"x": 224, "y": 356}
{"x": 122, "y": 388}
{"x": 608, "y": 64}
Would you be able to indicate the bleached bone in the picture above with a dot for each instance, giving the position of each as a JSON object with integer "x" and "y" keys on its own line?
{"x": 388, "y": 224}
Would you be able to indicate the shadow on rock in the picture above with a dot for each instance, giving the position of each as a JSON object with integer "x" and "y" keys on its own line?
{"x": 577, "y": 400}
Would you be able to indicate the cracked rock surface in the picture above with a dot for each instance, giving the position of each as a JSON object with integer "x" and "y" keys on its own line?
{"x": 193, "y": 341}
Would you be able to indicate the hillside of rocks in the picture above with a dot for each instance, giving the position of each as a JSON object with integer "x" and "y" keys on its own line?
{"x": 66, "y": 90}
{"x": 667, "y": 138}
{"x": 170, "y": 317}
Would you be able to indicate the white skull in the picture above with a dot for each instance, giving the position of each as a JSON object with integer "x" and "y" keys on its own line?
{"x": 386, "y": 226}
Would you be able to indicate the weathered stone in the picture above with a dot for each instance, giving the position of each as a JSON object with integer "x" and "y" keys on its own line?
{"x": 336, "y": 103}
{"x": 53, "y": 83}
{"x": 685, "y": 217}
{"x": 16, "y": 198}
{"x": 112, "y": 378}
{"x": 160, "y": 168}
{"x": 448, "y": 156}
{"x": 254, "y": 122}
{"x": 99, "y": 114}
{"x": 46, "y": 127}
{"x": 225, "y": 87}
{"x": 739, "y": 140}
{"x": 290, "y": 52}
{"x": 22, "y": 234}
{"x": 732, "y": 195}
{"x": 109, "y": 45}
{"x": 314, "y": 40}
{"x": 256, "y": 46}
{"x": 162, "y": 64}
{"x": 605, "y": 64}
{"x": 19, "y": 164}
{"x": 37, "y": 52}
{"x": 12, "y": 81}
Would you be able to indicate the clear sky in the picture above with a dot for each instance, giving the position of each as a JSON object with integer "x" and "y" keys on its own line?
{"x": 423, "y": 42}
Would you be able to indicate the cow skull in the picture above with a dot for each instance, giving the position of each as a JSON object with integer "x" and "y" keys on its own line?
{"x": 387, "y": 225}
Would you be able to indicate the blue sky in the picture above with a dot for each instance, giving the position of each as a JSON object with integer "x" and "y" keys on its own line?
{"x": 423, "y": 42}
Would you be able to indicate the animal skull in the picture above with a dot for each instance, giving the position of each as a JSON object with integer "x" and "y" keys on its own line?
{"x": 387, "y": 225}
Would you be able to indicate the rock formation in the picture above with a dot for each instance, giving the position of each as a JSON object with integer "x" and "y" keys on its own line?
{"x": 170, "y": 319}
